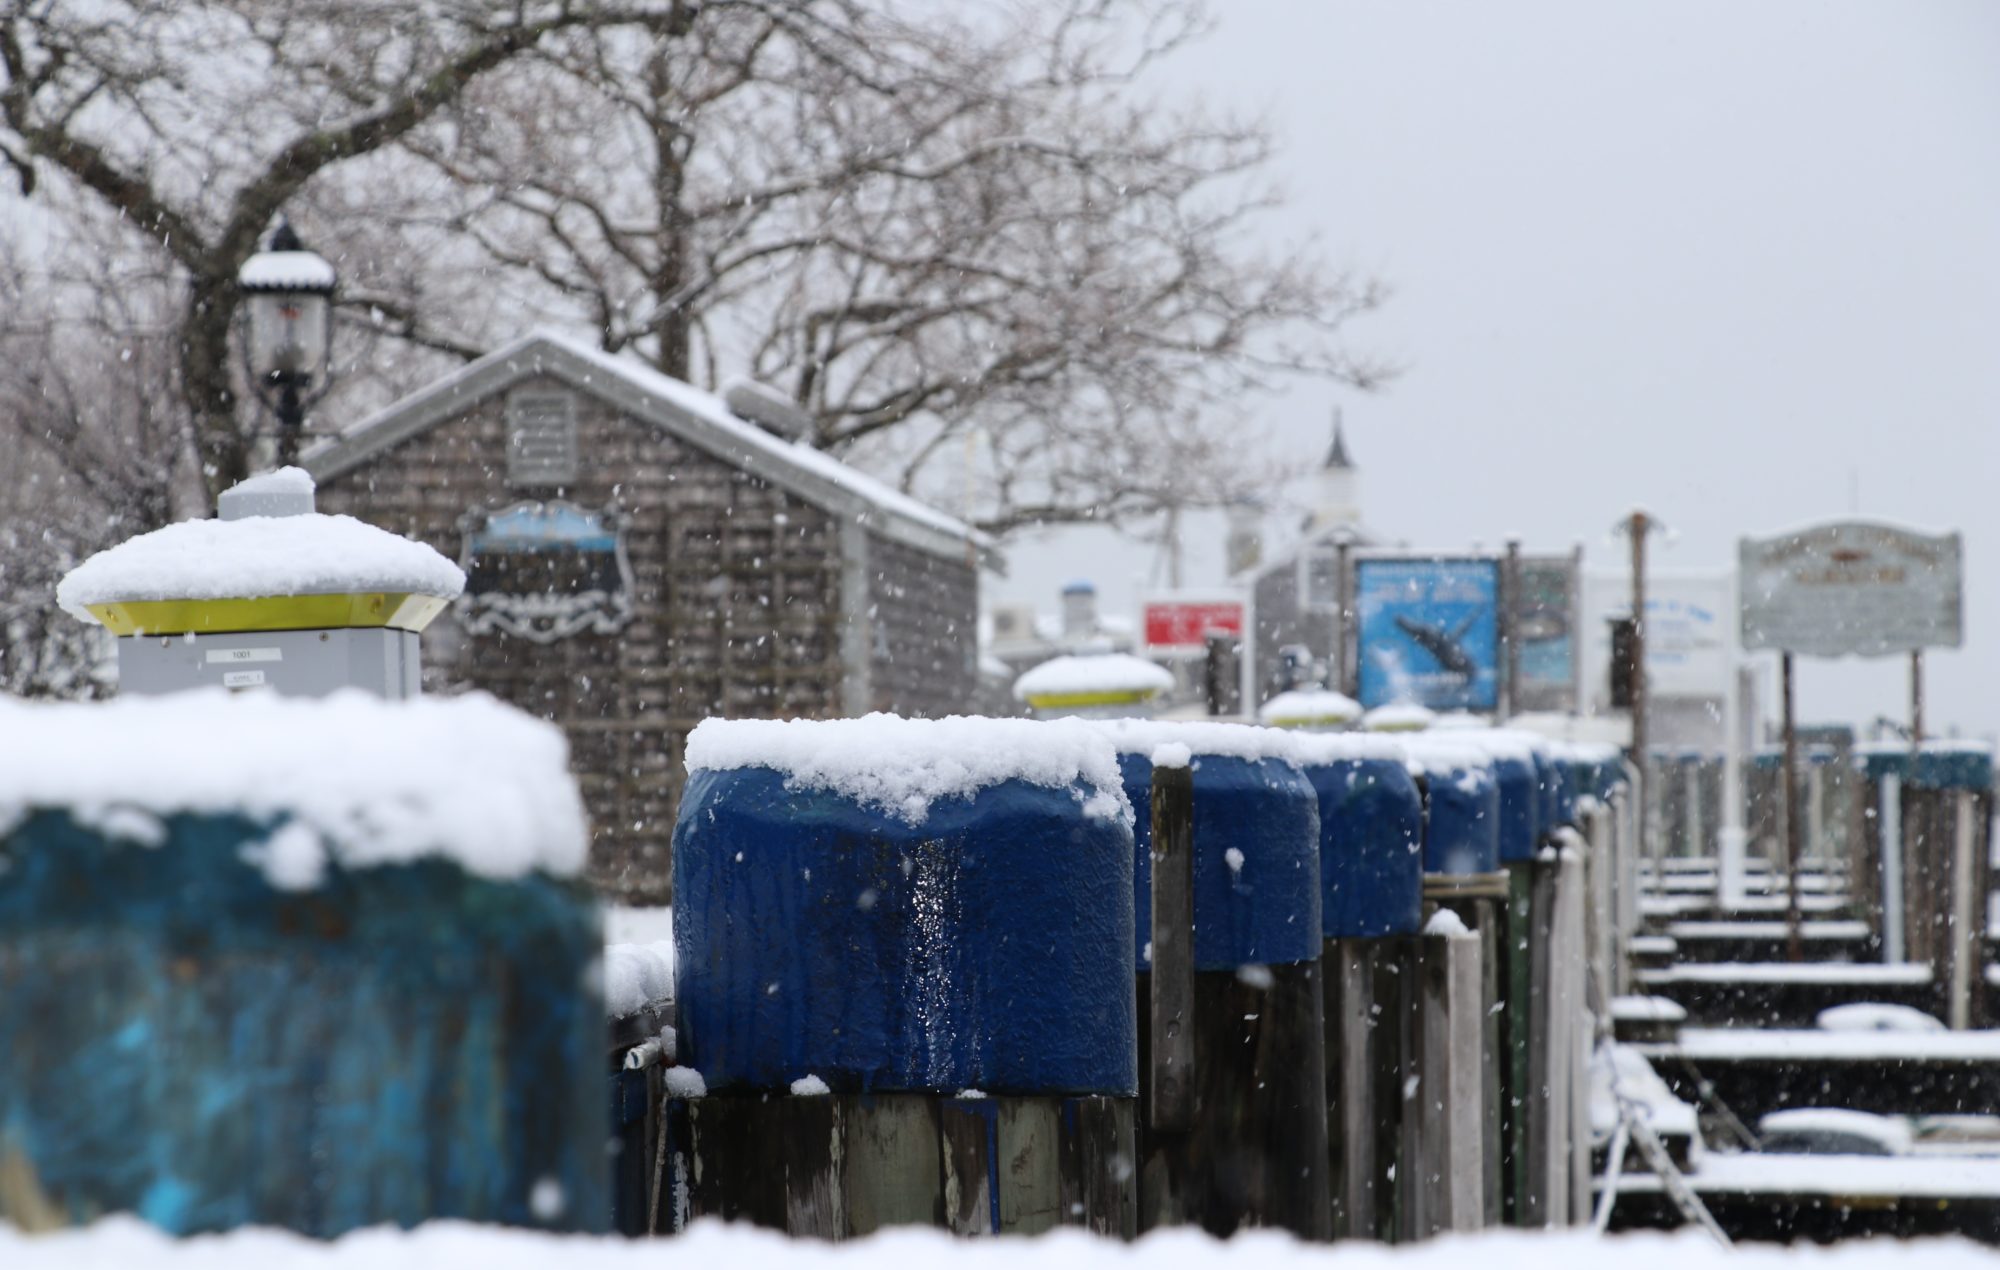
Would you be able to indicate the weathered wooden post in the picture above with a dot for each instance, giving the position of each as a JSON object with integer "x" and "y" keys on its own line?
{"x": 1253, "y": 1152}
{"x": 903, "y": 962}
{"x": 1371, "y": 910}
{"x": 311, "y": 964}
{"x": 1462, "y": 834}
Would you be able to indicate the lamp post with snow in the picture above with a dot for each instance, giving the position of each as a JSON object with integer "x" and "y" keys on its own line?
{"x": 288, "y": 330}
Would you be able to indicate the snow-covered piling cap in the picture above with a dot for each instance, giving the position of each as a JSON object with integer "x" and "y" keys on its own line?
{"x": 1310, "y": 708}
{"x": 1092, "y": 681}
{"x": 268, "y": 563}
{"x": 1145, "y": 737}
{"x": 363, "y": 782}
{"x": 1398, "y": 717}
{"x": 901, "y": 766}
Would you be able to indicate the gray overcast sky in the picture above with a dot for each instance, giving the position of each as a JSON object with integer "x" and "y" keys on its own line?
{"x": 1733, "y": 262}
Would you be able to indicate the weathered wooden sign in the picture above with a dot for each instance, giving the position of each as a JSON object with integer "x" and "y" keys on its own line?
{"x": 1852, "y": 588}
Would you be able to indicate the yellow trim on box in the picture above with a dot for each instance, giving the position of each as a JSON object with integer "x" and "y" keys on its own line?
{"x": 403, "y": 610}
{"x": 1057, "y": 700}
{"x": 1310, "y": 720}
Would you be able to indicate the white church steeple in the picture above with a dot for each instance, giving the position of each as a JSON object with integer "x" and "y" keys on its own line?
{"x": 1336, "y": 492}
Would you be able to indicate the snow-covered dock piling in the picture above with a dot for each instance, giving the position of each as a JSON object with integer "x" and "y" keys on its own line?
{"x": 1245, "y": 995}
{"x": 312, "y": 964}
{"x": 903, "y": 954}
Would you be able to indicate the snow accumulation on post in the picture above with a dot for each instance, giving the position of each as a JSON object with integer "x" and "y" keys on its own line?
{"x": 466, "y": 779}
{"x": 258, "y": 556}
{"x": 903, "y": 766}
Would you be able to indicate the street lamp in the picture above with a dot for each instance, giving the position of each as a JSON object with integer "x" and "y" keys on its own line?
{"x": 288, "y": 330}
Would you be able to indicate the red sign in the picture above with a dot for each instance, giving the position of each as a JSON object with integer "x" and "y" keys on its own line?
{"x": 1186, "y": 623}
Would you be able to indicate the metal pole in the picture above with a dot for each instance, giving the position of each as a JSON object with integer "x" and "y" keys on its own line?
{"x": 1916, "y": 699}
{"x": 1510, "y": 633}
{"x": 1639, "y": 527}
{"x": 1649, "y": 837}
{"x": 1794, "y": 826}
{"x": 291, "y": 414}
{"x": 1343, "y": 679}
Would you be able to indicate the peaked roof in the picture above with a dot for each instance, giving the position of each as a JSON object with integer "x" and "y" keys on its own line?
{"x": 680, "y": 409}
{"x": 1336, "y": 458}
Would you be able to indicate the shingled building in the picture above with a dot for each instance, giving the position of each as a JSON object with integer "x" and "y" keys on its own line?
{"x": 640, "y": 557}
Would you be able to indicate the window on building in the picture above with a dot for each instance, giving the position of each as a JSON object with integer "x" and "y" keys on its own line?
{"x": 541, "y": 438}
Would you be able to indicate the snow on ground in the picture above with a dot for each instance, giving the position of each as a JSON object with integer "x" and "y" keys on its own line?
{"x": 124, "y": 1244}
{"x": 901, "y": 766}
{"x": 377, "y": 782}
{"x": 256, "y": 557}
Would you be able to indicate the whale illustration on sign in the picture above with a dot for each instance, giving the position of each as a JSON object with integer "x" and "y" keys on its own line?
{"x": 1447, "y": 646}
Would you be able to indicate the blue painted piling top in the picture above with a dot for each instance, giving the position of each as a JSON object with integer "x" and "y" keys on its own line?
{"x": 916, "y": 905}
{"x": 465, "y": 779}
{"x": 1256, "y": 841}
{"x": 1461, "y": 805}
{"x": 256, "y": 923}
{"x": 1371, "y": 839}
{"x": 1533, "y": 786}
{"x": 1945, "y": 763}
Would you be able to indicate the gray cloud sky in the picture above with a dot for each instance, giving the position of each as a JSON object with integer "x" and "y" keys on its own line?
{"x": 1733, "y": 262}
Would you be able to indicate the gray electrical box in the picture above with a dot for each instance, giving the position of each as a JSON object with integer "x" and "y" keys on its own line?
{"x": 222, "y": 626}
{"x": 289, "y": 663}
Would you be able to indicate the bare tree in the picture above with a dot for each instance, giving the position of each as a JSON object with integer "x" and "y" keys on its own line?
{"x": 197, "y": 121}
{"x": 958, "y": 236}
{"x": 933, "y": 233}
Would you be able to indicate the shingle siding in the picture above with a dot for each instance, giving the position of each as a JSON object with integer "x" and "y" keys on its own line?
{"x": 737, "y": 610}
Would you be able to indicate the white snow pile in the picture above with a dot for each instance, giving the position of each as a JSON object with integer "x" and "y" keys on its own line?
{"x": 1890, "y": 1134}
{"x": 1309, "y": 708}
{"x": 375, "y": 782}
{"x": 129, "y": 1244}
{"x": 901, "y": 766}
{"x": 1620, "y": 1078}
{"x": 1172, "y": 754}
{"x": 1436, "y": 753}
{"x": 809, "y": 1086}
{"x": 256, "y": 557}
{"x": 1875, "y": 1016}
{"x": 1399, "y": 717}
{"x": 285, "y": 271}
{"x": 1074, "y": 676}
{"x": 1318, "y": 749}
{"x": 1225, "y": 740}
{"x": 1644, "y": 1009}
{"x": 1448, "y": 924}
{"x": 636, "y": 976}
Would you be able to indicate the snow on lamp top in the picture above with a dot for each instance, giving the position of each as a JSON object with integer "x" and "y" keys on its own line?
{"x": 901, "y": 766}
{"x": 354, "y": 779}
{"x": 286, "y": 271}
{"x": 269, "y": 543}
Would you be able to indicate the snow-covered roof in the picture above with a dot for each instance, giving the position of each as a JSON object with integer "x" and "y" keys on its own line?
{"x": 1073, "y": 676}
{"x": 1308, "y": 707}
{"x": 286, "y": 271}
{"x": 256, "y": 557}
{"x": 364, "y": 781}
{"x": 901, "y": 766}
{"x": 688, "y": 413}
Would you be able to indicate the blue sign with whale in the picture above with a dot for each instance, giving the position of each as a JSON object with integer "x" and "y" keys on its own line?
{"x": 1429, "y": 632}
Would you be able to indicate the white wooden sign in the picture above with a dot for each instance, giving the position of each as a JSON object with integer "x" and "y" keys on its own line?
{"x": 1852, "y": 588}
